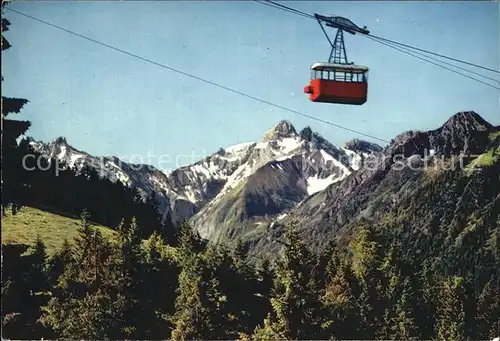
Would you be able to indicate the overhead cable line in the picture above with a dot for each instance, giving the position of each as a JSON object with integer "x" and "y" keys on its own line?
{"x": 284, "y": 8}
{"x": 444, "y": 67}
{"x": 433, "y": 53}
{"x": 199, "y": 78}
{"x": 380, "y": 39}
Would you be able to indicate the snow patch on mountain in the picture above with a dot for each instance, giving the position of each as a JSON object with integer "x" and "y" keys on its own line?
{"x": 238, "y": 148}
{"x": 290, "y": 144}
{"x": 185, "y": 191}
{"x": 315, "y": 184}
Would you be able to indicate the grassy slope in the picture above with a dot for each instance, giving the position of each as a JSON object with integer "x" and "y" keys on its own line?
{"x": 23, "y": 228}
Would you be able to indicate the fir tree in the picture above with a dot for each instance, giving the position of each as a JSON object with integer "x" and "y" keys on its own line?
{"x": 160, "y": 284}
{"x": 366, "y": 262}
{"x": 191, "y": 317}
{"x": 88, "y": 302}
{"x": 12, "y": 153}
{"x": 131, "y": 281}
{"x": 59, "y": 261}
{"x": 340, "y": 311}
{"x": 451, "y": 313}
{"x": 295, "y": 305}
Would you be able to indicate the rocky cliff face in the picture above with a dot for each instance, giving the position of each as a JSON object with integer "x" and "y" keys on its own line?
{"x": 235, "y": 184}
{"x": 422, "y": 181}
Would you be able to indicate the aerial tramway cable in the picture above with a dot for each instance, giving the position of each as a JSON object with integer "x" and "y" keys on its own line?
{"x": 422, "y": 58}
{"x": 388, "y": 42}
{"x": 199, "y": 78}
{"x": 433, "y": 53}
{"x": 279, "y": 6}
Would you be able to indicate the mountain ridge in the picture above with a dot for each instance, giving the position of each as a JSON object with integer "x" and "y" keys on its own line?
{"x": 184, "y": 191}
{"x": 456, "y": 153}
{"x": 251, "y": 190}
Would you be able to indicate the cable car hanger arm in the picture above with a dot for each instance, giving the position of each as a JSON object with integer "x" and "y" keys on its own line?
{"x": 327, "y": 37}
{"x": 341, "y": 23}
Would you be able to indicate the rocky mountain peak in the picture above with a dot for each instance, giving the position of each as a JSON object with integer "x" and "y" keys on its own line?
{"x": 466, "y": 121}
{"x": 465, "y": 132}
{"x": 282, "y": 130}
{"x": 306, "y": 134}
{"x": 61, "y": 140}
{"x": 358, "y": 145}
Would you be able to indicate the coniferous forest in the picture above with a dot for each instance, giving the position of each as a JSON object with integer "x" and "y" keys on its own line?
{"x": 149, "y": 282}
{"x": 129, "y": 288}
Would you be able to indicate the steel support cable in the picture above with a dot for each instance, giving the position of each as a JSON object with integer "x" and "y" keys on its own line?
{"x": 199, "y": 78}
{"x": 285, "y": 8}
{"x": 433, "y": 53}
{"x": 444, "y": 67}
{"x": 292, "y": 10}
{"x": 444, "y": 62}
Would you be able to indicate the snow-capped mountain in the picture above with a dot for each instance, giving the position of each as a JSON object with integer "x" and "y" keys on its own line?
{"x": 266, "y": 177}
{"x": 422, "y": 181}
{"x": 277, "y": 172}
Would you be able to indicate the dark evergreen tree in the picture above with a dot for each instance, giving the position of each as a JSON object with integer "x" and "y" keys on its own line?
{"x": 191, "y": 318}
{"x": 87, "y": 302}
{"x": 366, "y": 263}
{"x": 295, "y": 305}
{"x": 131, "y": 279}
{"x": 12, "y": 154}
{"x": 159, "y": 290}
{"x": 451, "y": 320}
{"x": 59, "y": 261}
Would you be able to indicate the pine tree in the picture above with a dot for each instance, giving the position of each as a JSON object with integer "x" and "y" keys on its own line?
{"x": 266, "y": 278}
{"x": 191, "y": 317}
{"x": 37, "y": 277}
{"x": 84, "y": 235}
{"x": 395, "y": 296}
{"x": 402, "y": 326}
{"x": 295, "y": 305}
{"x": 59, "y": 261}
{"x": 88, "y": 302}
{"x": 12, "y": 153}
{"x": 451, "y": 313}
{"x": 338, "y": 300}
{"x": 160, "y": 285}
{"x": 426, "y": 302}
{"x": 240, "y": 258}
{"x": 366, "y": 262}
{"x": 487, "y": 319}
{"x": 20, "y": 293}
{"x": 131, "y": 282}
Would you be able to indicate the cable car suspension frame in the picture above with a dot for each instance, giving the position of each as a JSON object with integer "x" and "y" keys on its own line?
{"x": 338, "y": 54}
{"x": 338, "y": 81}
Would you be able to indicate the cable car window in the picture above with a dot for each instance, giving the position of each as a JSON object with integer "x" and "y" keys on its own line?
{"x": 325, "y": 74}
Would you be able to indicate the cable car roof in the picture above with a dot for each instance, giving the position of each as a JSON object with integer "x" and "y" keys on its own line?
{"x": 338, "y": 67}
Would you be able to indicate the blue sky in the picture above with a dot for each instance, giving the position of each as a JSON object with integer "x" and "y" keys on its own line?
{"x": 107, "y": 103}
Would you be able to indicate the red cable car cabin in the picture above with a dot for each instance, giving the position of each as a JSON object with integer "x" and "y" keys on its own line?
{"x": 338, "y": 83}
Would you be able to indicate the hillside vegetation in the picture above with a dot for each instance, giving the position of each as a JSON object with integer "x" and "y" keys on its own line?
{"x": 53, "y": 229}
